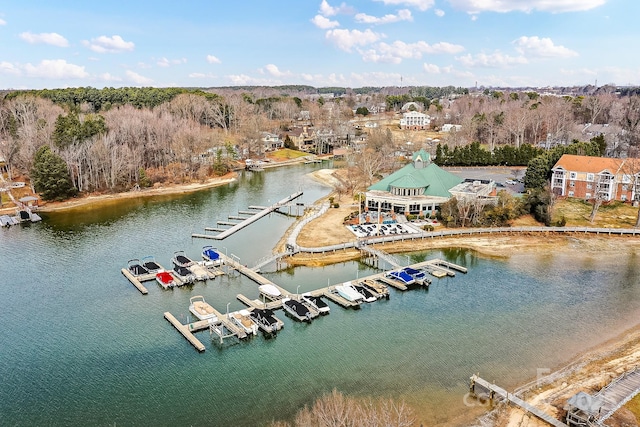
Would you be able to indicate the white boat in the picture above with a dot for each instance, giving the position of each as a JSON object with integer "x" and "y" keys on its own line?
{"x": 242, "y": 318}
{"x": 317, "y": 303}
{"x": 270, "y": 291}
{"x": 201, "y": 309}
{"x": 348, "y": 292}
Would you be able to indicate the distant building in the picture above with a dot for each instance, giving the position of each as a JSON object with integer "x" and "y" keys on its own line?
{"x": 588, "y": 178}
{"x": 415, "y": 120}
{"x": 418, "y": 188}
{"x": 271, "y": 141}
{"x": 448, "y": 127}
{"x": 475, "y": 189}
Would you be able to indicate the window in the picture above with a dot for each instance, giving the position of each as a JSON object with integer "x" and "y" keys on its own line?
{"x": 625, "y": 187}
{"x": 589, "y": 186}
{"x": 623, "y": 197}
{"x": 626, "y": 179}
{"x": 570, "y": 193}
{"x": 590, "y": 177}
{"x": 573, "y": 175}
{"x": 587, "y": 196}
{"x": 572, "y": 183}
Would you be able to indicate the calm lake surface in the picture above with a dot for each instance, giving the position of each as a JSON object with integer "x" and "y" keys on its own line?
{"x": 79, "y": 345}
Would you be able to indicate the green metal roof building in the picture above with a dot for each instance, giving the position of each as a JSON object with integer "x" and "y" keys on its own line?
{"x": 417, "y": 188}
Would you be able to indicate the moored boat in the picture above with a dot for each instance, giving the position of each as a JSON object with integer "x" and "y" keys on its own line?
{"x": 136, "y": 268}
{"x": 297, "y": 309}
{"x": 366, "y": 293}
{"x": 402, "y": 277}
{"x": 317, "y": 302}
{"x": 184, "y": 274}
{"x": 150, "y": 264}
{"x": 243, "y": 319}
{"x": 165, "y": 279}
{"x": 209, "y": 253}
{"x": 201, "y": 309}
{"x": 181, "y": 259}
{"x": 265, "y": 320}
{"x": 270, "y": 291}
{"x": 419, "y": 276}
{"x": 348, "y": 292}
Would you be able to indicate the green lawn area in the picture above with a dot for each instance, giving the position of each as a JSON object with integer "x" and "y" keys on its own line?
{"x": 634, "y": 406}
{"x": 577, "y": 212}
{"x": 286, "y": 154}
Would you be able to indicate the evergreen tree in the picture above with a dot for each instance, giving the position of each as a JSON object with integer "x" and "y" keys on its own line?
{"x": 50, "y": 176}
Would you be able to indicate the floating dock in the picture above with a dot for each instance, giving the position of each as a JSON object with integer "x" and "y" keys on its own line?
{"x": 184, "y": 330}
{"x": 134, "y": 281}
{"x": 263, "y": 211}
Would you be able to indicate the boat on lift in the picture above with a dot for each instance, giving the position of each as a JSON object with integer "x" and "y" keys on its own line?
{"x": 317, "y": 302}
{"x": 297, "y": 309}
{"x": 211, "y": 254}
{"x": 348, "y": 292}
{"x": 265, "y": 320}
{"x": 165, "y": 279}
{"x": 136, "y": 268}
{"x": 243, "y": 319}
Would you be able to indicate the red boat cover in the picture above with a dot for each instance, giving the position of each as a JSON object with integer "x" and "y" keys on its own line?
{"x": 165, "y": 277}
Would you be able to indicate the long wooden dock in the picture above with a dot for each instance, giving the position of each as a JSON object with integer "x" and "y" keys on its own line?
{"x": 134, "y": 281}
{"x": 184, "y": 330}
{"x": 264, "y": 211}
{"x": 617, "y": 393}
{"x": 510, "y": 397}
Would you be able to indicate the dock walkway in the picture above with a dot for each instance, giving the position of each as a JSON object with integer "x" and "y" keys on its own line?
{"x": 512, "y": 398}
{"x": 264, "y": 211}
{"x": 184, "y": 330}
{"x": 618, "y": 392}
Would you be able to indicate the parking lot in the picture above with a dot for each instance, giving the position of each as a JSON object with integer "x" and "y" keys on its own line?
{"x": 499, "y": 174}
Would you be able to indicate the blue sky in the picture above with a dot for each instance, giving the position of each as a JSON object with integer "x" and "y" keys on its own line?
{"x": 45, "y": 44}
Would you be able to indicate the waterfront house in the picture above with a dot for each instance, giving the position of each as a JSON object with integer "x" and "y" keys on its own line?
{"x": 417, "y": 189}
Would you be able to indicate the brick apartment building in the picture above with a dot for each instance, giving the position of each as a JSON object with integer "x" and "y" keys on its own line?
{"x": 588, "y": 177}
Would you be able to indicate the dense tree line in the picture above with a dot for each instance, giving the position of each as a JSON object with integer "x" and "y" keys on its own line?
{"x": 476, "y": 155}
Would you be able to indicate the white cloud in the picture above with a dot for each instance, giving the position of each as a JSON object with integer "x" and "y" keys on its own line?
{"x": 347, "y": 39}
{"x": 493, "y": 60}
{"x": 3, "y": 22}
{"x": 328, "y": 10}
{"x": 108, "y": 77}
{"x": 403, "y": 15}
{"x": 213, "y": 60}
{"x": 53, "y": 39}
{"x": 439, "y": 12}
{"x": 164, "y": 62}
{"x": 418, "y": 4}
{"x": 244, "y": 80}
{"x": 431, "y": 68}
{"x": 397, "y": 51}
{"x": 324, "y": 23}
{"x": 9, "y": 68}
{"x": 104, "y": 44}
{"x": 537, "y": 47}
{"x": 138, "y": 79}
{"x": 201, "y": 75}
{"x": 555, "y": 6}
{"x": 55, "y": 69}
{"x": 274, "y": 71}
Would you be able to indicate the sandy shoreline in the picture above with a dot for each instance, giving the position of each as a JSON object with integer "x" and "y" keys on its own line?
{"x": 147, "y": 192}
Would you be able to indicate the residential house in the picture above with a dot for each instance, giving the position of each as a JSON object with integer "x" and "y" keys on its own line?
{"x": 588, "y": 178}
{"x": 448, "y": 127}
{"x": 302, "y": 137}
{"x": 418, "y": 188}
{"x": 271, "y": 141}
{"x": 415, "y": 120}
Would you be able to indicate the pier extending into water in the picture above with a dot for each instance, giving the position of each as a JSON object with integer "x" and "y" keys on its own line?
{"x": 494, "y": 390}
{"x": 264, "y": 211}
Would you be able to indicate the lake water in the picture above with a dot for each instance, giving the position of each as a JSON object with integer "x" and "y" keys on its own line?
{"x": 81, "y": 346}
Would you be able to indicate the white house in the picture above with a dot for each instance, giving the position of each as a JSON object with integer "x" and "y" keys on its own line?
{"x": 271, "y": 141}
{"x": 448, "y": 127}
{"x": 415, "y": 120}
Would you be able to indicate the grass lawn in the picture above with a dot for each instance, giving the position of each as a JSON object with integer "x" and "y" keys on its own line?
{"x": 577, "y": 212}
{"x": 286, "y": 154}
{"x": 634, "y": 406}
